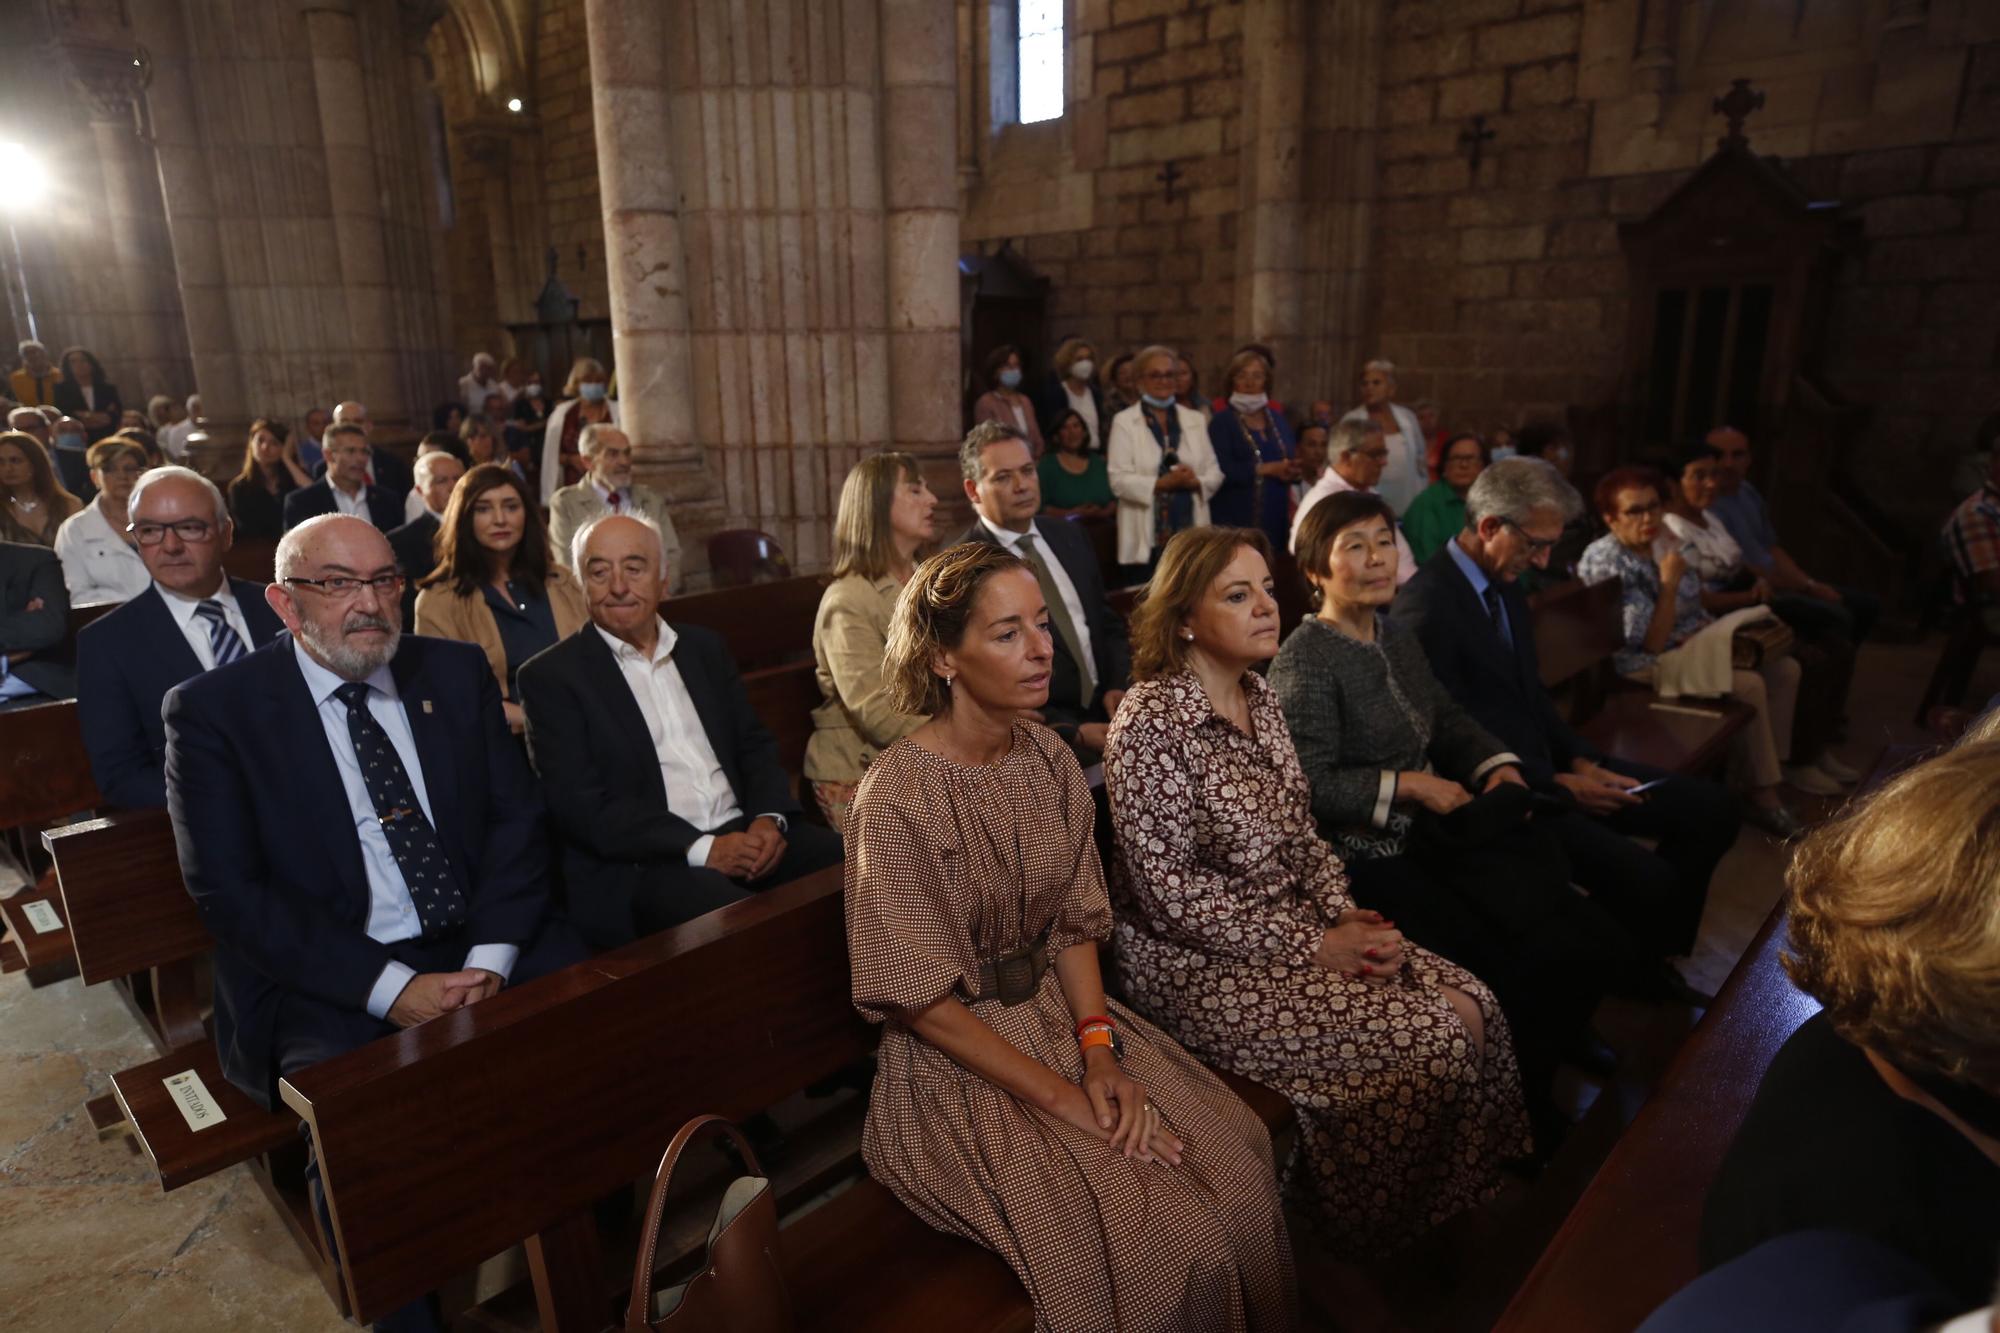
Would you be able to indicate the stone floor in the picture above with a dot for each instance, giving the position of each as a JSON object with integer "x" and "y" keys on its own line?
{"x": 91, "y": 1244}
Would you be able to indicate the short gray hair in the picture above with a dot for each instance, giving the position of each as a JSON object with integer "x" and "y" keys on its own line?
{"x": 1349, "y": 436}
{"x": 427, "y": 464}
{"x": 984, "y": 435}
{"x": 158, "y": 474}
{"x": 1512, "y": 489}
{"x": 581, "y": 540}
{"x": 1153, "y": 352}
{"x": 1385, "y": 366}
{"x": 587, "y": 438}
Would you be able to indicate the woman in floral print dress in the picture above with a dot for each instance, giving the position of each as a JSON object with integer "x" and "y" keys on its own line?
{"x": 1237, "y": 935}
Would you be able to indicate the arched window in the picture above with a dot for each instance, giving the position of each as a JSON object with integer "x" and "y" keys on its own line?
{"x": 1038, "y": 52}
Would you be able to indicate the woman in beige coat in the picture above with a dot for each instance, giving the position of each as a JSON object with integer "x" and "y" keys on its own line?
{"x": 883, "y": 522}
{"x": 497, "y": 585}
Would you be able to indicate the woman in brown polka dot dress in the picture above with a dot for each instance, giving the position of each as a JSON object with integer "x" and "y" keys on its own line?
{"x": 1236, "y": 931}
{"x": 1128, "y": 1192}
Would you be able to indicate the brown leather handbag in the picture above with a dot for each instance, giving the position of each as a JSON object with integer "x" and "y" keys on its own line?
{"x": 741, "y": 1286}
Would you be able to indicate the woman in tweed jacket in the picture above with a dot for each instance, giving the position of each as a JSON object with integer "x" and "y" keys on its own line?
{"x": 1389, "y": 755}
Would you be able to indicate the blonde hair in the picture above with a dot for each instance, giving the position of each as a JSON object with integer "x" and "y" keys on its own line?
{"x": 585, "y": 365}
{"x": 862, "y": 541}
{"x": 1066, "y": 355}
{"x": 931, "y": 614}
{"x": 1190, "y": 563}
{"x": 1895, "y": 917}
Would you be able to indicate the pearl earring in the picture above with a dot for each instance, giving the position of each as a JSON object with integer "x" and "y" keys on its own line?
{"x": 947, "y": 682}
{"x": 1188, "y": 634}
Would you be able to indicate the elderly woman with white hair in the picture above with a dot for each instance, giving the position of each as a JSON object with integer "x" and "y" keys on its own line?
{"x": 1406, "y": 472}
{"x": 1162, "y": 468}
{"x": 586, "y": 401}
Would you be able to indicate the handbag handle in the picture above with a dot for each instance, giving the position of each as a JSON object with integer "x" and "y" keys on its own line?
{"x": 636, "y": 1309}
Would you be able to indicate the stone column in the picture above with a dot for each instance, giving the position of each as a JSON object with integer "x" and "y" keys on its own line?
{"x": 1308, "y": 181}
{"x": 150, "y": 359}
{"x": 782, "y": 276}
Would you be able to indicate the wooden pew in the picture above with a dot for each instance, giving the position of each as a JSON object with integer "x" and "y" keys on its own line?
{"x": 729, "y": 1014}
{"x": 1577, "y": 629}
{"x": 1631, "y": 1240}
{"x": 764, "y": 625}
{"x": 44, "y": 776}
{"x": 784, "y": 697}
{"x": 251, "y": 558}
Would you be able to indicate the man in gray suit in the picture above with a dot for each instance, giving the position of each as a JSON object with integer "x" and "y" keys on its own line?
{"x": 609, "y": 489}
{"x": 34, "y": 621}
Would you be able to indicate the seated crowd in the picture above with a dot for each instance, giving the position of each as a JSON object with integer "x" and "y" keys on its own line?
{"x": 1364, "y": 860}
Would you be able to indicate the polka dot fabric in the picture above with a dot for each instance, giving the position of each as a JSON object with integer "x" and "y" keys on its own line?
{"x": 1224, "y": 890}
{"x": 947, "y": 863}
{"x": 426, "y": 871}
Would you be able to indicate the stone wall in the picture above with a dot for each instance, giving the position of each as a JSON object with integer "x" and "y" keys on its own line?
{"x": 1501, "y": 292}
{"x": 568, "y": 151}
{"x": 1150, "y": 81}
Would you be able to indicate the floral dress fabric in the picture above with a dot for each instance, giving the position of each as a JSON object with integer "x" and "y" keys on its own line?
{"x": 1224, "y": 890}
{"x": 948, "y": 864}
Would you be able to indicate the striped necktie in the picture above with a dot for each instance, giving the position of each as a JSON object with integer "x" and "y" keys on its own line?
{"x": 222, "y": 640}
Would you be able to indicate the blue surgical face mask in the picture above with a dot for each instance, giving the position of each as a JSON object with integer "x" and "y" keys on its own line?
{"x": 1010, "y": 378}
{"x": 1151, "y": 401}
{"x": 592, "y": 391}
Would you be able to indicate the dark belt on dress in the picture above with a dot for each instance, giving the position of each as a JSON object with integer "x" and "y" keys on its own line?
{"x": 1014, "y": 976}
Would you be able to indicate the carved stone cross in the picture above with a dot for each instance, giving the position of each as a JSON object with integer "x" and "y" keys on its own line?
{"x": 1167, "y": 176}
{"x": 1735, "y": 106}
{"x": 1474, "y": 141}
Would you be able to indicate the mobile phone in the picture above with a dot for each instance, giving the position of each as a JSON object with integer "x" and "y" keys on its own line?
{"x": 1645, "y": 787}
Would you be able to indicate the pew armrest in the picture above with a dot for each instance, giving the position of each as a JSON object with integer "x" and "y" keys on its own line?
{"x": 179, "y": 1152}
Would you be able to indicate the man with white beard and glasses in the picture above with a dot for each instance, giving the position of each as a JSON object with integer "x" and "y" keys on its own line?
{"x": 356, "y": 824}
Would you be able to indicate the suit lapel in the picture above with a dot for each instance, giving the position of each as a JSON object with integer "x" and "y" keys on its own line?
{"x": 1501, "y": 660}
{"x": 605, "y": 682}
{"x": 432, "y": 734}
{"x": 320, "y": 791}
{"x": 707, "y": 704}
{"x": 173, "y": 660}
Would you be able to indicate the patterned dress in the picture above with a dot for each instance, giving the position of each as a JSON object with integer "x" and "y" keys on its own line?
{"x": 947, "y": 863}
{"x": 1224, "y": 891}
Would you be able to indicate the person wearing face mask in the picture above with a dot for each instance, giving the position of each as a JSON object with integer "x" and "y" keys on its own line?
{"x": 69, "y": 448}
{"x": 586, "y": 402}
{"x": 1003, "y": 400}
{"x": 1072, "y": 387}
{"x": 1253, "y": 444}
{"x": 1162, "y": 469}
{"x": 495, "y": 583}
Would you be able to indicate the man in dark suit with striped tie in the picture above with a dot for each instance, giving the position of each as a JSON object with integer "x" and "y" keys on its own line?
{"x": 194, "y": 618}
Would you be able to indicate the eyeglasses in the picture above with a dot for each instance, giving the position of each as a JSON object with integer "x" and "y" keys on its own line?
{"x": 385, "y": 585}
{"x": 1535, "y": 544}
{"x": 1640, "y": 511}
{"x": 192, "y": 530}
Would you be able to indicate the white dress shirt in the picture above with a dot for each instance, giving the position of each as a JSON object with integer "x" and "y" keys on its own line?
{"x": 1332, "y": 483}
{"x": 174, "y": 439}
{"x": 355, "y": 504}
{"x": 698, "y": 791}
{"x": 98, "y": 564}
{"x": 1085, "y": 404}
{"x": 196, "y": 629}
{"x": 604, "y": 493}
{"x": 392, "y": 916}
{"x": 1011, "y": 543}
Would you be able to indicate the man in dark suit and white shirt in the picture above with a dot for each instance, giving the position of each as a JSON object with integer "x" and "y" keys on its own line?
{"x": 1465, "y": 607}
{"x": 34, "y": 620}
{"x": 415, "y": 542}
{"x": 1093, "y": 658}
{"x": 355, "y": 823}
{"x": 345, "y": 489}
{"x": 665, "y": 788}
{"x": 192, "y": 619}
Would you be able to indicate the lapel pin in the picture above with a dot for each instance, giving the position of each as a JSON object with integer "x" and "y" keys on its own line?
{"x": 427, "y": 705}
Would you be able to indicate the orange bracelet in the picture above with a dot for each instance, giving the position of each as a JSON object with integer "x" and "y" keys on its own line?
{"x": 1095, "y": 1037}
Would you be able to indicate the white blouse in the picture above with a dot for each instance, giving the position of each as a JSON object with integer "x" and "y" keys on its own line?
{"x": 1710, "y": 551}
{"x": 98, "y": 565}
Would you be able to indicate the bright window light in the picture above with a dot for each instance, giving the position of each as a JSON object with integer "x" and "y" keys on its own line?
{"x": 1039, "y": 24}
{"x": 23, "y": 179}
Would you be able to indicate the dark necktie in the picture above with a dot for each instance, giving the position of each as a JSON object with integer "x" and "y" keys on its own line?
{"x": 1059, "y": 616}
{"x": 613, "y": 500}
{"x": 412, "y": 840}
{"x": 1492, "y": 599}
{"x": 222, "y": 640}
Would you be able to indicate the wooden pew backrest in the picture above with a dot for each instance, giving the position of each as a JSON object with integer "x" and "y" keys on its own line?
{"x": 784, "y": 699}
{"x": 122, "y": 892}
{"x": 764, "y": 625}
{"x": 1577, "y": 628}
{"x": 566, "y": 1088}
{"x": 44, "y": 769}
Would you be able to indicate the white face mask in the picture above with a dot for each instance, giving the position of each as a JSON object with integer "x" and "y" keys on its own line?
{"x": 1249, "y": 402}
{"x": 533, "y": 389}
{"x": 1082, "y": 370}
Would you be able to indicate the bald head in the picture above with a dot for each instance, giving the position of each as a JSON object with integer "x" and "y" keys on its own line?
{"x": 622, "y": 562}
{"x": 352, "y": 412}
{"x": 350, "y": 630}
